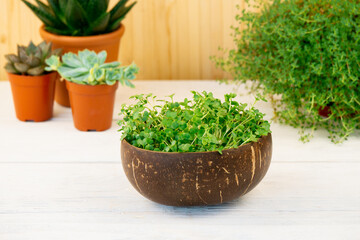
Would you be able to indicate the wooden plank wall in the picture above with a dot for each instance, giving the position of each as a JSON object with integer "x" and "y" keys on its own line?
{"x": 168, "y": 39}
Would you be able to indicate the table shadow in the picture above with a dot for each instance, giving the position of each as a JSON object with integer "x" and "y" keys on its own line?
{"x": 199, "y": 211}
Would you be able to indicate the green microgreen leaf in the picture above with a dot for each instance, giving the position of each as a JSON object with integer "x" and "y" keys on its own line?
{"x": 191, "y": 125}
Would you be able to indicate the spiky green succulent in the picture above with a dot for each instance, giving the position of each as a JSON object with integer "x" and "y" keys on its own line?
{"x": 89, "y": 68}
{"x": 80, "y": 17}
{"x": 30, "y": 60}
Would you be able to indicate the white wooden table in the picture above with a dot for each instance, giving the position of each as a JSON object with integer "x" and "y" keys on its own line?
{"x": 60, "y": 183}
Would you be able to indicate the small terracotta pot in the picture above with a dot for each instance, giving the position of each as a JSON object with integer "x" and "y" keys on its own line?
{"x": 325, "y": 111}
{"x": 109, "y": 42}
{"x": 92, "y": 106}
{"x": 200, "y": 178}
{"x": 33, "y": 96}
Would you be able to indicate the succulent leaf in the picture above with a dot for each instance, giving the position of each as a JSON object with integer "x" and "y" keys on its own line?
{"x": 118, "y": 7}
{"x": 53, "y": 63}
{"x": 100, "y": 24}
{"x": 31, "y": 49}
{"x": 21, "y": 67}
{"x": 54, "y": 6}
{"x": 101, "y": 57}
{"x": 110, "y": 65}
{"x": 88, "y": 58}
{"x": 22, "y": 53}
{"x": 96, "y": 9}
{"x": 80, "y": 17}
{"x": 65, "y": 32}
{"x": 12, "y": 58}
{"x": 59, "y": 15}
{"x": 89, "y": 68}
{"x": 69, "y": 72}
{"x": 38, "y": 53}
{"x": 44, "y": 7}
{"x": 45, "y": 49}
{"x": 121, "y": 12}
{"x": 9, "y": 67}
{"x": 71, "y": 60}
{"x": 115, "y": 25}
{"x": 36, "y": 71}
{"x": 30, "y": 59}
{"x": 84, "y": 3}
{"x": 127, "y": 9}
{"x": 75, "y": 15}
{"x": 57, "y": 52}
{"x": 62, "y": 6}
{"x": 45, "y": 17}
{"x": 99, "y": 75}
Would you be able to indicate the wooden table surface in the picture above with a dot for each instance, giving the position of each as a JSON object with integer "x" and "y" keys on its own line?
{"x": 60, "y": 183}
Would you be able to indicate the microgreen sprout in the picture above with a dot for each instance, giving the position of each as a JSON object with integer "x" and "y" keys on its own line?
{"x": 201, "y": 124}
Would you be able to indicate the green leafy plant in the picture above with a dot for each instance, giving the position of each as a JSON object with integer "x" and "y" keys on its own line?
{"x": 304, "y": 55}
{"x": 30, "y": 60}
{"x": 89, "y": 68}
{"x": 204, "y": 123}
{"x": 80, "y": 17}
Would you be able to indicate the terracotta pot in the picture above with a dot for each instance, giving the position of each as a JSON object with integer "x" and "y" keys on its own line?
{"x": 109, "y": 42}
{"x": 33, "y": 96}
{"x": 92, "y": 106}
{"x": 324, "y": 111}
{"x": 200, "y": 178}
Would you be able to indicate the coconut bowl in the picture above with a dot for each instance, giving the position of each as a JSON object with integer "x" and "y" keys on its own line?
{"x": 196, "y": 178}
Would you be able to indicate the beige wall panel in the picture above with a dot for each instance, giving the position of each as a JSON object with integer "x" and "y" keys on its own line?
{"x": 167, "y": 39}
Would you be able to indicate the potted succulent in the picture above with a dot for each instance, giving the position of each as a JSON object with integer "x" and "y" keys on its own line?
{"x": 75, "y": 25}
{"x": 305, "y": 56}
{"x": 195, "y": 152}
{"x": 32, "y": 86}
{"x": 92, "y": 84}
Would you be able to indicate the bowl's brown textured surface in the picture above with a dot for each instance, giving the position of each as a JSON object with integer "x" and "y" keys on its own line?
{"x": 200, "y": 178}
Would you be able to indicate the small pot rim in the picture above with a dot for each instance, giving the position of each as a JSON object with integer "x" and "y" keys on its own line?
{"x": 31, "y": 76}
{"x": 81, "y": 39}
{"x": 104, "y": 84}
{"x": 91, "y": 90}
{"x": 184, "y": 153}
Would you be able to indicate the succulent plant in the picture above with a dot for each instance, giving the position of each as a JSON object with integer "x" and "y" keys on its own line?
{"x": 89, "y": 68}
{"x": 30, "y": 59}
{"x": 80, "y": 17}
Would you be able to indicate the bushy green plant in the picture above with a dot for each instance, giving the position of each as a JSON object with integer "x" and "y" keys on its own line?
{"x": 204, "y": 123}
{"x": 30, "y": 60}
{"x": 305, "y": 55}
{"x": 89, "y": 68}
{"x": 80, "y": 17}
